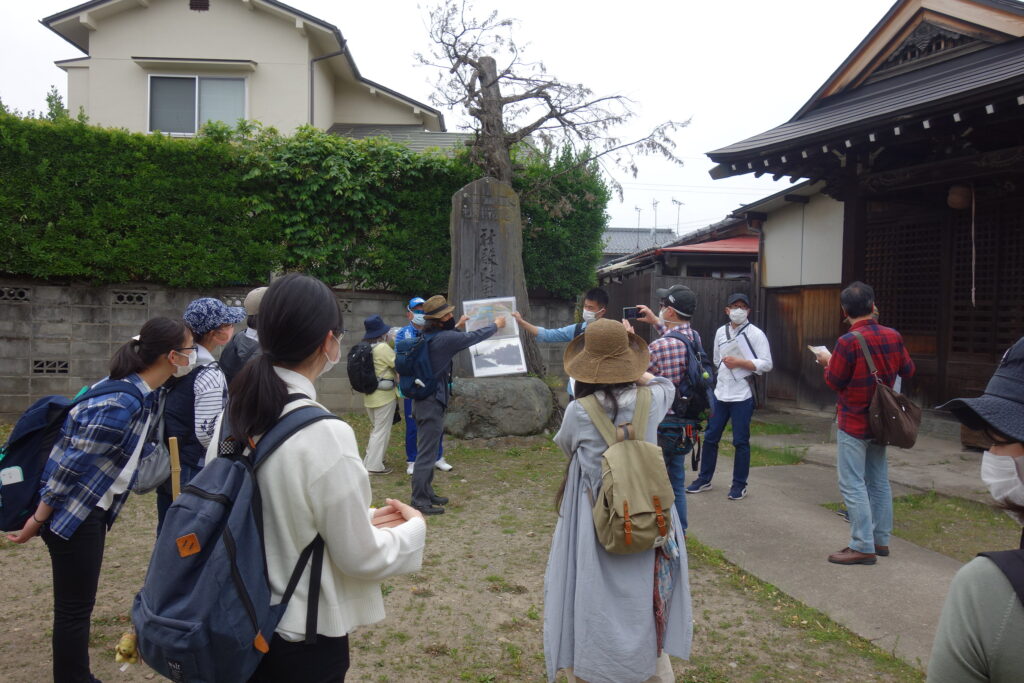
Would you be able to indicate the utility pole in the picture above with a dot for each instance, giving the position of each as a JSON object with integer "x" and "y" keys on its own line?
{"x": 638, "y": 210}
{"x": 654, "y": 227}
{"x": 679, "y": 205}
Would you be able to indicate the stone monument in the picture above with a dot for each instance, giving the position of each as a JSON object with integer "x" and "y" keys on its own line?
{"x": 487, "y": 256}
{"x": 487, "y": 262}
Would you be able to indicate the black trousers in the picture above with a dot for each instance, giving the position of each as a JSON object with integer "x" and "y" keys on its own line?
{"x": 325, "y": 661}
{"x": 76, "y": 574}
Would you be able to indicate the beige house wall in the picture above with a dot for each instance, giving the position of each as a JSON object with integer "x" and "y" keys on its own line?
{"x": 119, "y": 87}
{"x": 78, "y": 88}
{"x": 323, "y": 94}
{"x": 803, "y": 244}
{"x": 354, "y": 103}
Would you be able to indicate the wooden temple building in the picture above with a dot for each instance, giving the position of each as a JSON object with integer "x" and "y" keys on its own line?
{"x": 920, "y": 135}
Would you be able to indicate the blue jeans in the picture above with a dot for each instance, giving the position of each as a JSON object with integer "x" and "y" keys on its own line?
{"x": 410, "y": 433}
{"x": 740, "y": 412}
{"x": 674, "y": 448}
{"x": 864, "y": 483}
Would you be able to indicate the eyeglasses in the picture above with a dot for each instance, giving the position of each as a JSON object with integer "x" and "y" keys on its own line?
{"x": 185, "y": 349}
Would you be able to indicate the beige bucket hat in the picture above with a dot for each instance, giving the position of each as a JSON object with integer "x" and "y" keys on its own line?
{"x": 436, "y": 308}
{"x": 606, "y": 354}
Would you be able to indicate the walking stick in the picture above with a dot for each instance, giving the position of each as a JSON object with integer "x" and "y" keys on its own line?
{"x": 172, "y": 446}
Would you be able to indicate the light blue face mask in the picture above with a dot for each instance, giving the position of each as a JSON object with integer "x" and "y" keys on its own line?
{"x": 418, "y": 318}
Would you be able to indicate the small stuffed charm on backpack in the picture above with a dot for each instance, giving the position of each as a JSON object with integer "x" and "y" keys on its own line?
{"x": 126, "y": 652}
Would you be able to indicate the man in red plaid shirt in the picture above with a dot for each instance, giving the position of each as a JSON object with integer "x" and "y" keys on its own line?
{"x": 860, "y": 463}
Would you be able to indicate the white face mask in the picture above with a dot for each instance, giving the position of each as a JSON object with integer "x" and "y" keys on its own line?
{"x": 1000, "y": 474}
{"x": 738, "y": 315}
{"x": 331, "y": 363}
{"x": 590, "y": 316}
{"x": 419, "y": 318}
{"x": 182, "y": 370}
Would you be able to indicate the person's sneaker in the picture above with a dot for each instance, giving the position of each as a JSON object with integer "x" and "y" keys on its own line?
{"x": 409, "y": 468}
{"x": 737, "y": 493}
{"x": 439, "y": 500}
{"x": 842, "y": 512}
{"x": 850, "y": 556}
{"x": 443, "y": 465}
{"x": 386, "y": 470}
{"x": 698, "y": 486}
{"x": 431, "y": 510}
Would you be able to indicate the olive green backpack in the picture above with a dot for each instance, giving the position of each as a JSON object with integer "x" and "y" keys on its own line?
{"x": 633, "y": 509}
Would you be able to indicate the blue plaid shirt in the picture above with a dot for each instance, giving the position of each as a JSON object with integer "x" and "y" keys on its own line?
{"x": 94, "y": 445}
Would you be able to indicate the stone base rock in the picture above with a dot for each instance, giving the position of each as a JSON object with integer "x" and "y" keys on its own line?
{"x": 489, "y": 407}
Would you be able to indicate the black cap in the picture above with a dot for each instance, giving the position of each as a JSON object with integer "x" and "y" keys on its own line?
{"x": 681, "y": 298}
{"x": 738, "y": 296}
{"x": 1001, "y": 407}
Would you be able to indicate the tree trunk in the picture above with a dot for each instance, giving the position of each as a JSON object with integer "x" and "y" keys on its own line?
{"x": 495, "y": 158}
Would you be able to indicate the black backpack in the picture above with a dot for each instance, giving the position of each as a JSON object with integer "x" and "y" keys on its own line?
{"x": 360, "y": 368}
{"x": 695, "y": 390}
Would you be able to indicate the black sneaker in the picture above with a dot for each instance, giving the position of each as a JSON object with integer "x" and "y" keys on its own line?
{"x": 431, "y": 510}
{"x": 737, "y": 493}
{"x": 439, "y": 500}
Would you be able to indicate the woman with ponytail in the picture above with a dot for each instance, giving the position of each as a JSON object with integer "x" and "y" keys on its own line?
{"x": 315, "y": 483}
{"x": 88, "y": 477}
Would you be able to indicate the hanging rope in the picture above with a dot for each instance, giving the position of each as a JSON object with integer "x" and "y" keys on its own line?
{"x": 974, "y": 253}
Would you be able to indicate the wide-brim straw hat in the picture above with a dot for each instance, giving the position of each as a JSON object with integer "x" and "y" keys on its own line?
{"x": 436, "y": 307}
{"x": 606, "y": 354}
{"x": 1001, "y": 407}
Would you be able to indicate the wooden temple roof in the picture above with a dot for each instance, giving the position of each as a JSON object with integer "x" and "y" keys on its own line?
{"x": 975, "y": 85}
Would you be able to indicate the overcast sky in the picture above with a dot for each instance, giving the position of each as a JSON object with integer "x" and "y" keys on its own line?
{"x": 733, "y": 68}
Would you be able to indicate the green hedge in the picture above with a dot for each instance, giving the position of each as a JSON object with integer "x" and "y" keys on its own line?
{"x": 230, "y": 206}
{"x": 80, "y": 202}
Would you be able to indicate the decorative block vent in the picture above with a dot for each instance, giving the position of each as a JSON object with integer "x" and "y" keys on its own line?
{"x": 51, "y": 367}
{"x": 346, "y": 306}
{"x": 236, "y": 301}
{"x": 127, "y": 298}
{"x": 17, "y": 295}
{"x": 199, "y": 5}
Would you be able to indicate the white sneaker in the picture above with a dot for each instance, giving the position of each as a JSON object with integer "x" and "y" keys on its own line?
{"x": 408, "y": 469}
{"x": 443, "y": 465}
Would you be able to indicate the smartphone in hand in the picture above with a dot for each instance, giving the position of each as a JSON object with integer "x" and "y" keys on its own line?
{"x": 630, "y": 313}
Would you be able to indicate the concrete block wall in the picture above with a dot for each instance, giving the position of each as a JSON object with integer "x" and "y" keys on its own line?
{"x": 56, "y": 338}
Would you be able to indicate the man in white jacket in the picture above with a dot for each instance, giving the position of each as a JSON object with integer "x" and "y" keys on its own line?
{"x": 741, "y": 353}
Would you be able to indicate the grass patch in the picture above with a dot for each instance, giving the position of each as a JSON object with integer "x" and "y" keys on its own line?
{"x": 763, "y": 456}
{"x": 814, "y": 625}
{"x": 953, "y": 526}
{"x": 759, "y": 428}
{"x": 956, "y": 527}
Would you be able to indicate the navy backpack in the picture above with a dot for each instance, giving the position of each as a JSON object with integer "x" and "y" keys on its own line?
{"x": 204, "y": 612}
{"x": 695, "y": 391}
{"x": 416, "y": 378}
{"x": 23, "y": 457}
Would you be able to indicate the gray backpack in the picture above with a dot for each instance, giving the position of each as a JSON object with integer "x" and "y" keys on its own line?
{"x": 633, "y": 510}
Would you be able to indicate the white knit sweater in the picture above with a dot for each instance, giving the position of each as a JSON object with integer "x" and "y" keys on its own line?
{"x": 316, "y": 483}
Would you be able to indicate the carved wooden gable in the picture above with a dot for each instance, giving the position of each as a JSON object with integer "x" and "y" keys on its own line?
{"x": 926, "y": 42}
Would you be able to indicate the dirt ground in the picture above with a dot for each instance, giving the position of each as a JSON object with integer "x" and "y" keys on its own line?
{"x": 475, "y": 611}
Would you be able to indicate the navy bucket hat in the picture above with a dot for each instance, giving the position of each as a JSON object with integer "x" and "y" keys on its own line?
{"x": 1001, "y": 407}
{"x": 375, "y": 327}
{"x": 207, "y": 314}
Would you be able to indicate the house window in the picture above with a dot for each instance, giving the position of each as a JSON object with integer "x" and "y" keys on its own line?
{"x": 182, "y": 104}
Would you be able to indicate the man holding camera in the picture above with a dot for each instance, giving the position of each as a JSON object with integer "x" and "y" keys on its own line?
{"x": 669, "y": 359}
